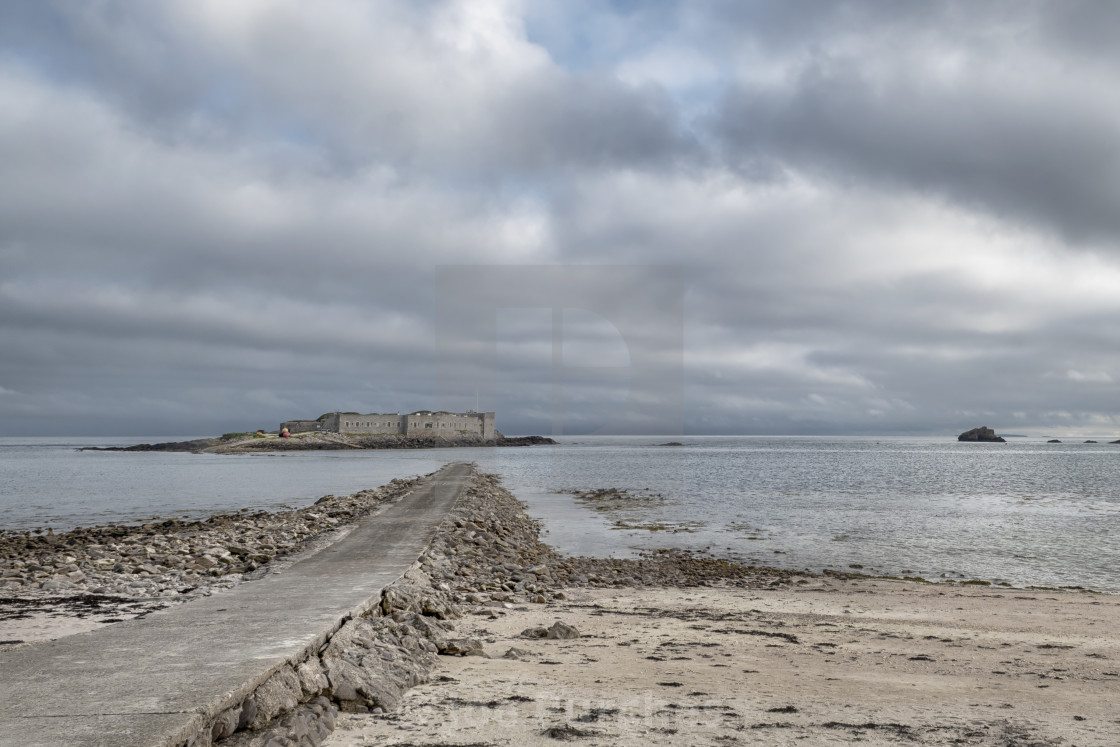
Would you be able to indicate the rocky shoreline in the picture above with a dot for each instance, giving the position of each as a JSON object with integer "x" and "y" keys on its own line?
{"x": 115, "y": 572}
{"x": 125, "y": 570}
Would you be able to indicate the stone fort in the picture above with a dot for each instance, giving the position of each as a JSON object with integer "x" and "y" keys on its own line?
{"x": 420, "y": 423}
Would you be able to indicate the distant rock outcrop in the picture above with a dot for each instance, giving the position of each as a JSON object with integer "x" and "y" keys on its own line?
{"x": 1090, "y": 441}
{"x": 983, "y": 433}
{"x": 1053, "y": 441}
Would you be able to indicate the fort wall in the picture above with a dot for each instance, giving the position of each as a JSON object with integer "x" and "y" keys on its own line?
{"x": 420, "y": 423}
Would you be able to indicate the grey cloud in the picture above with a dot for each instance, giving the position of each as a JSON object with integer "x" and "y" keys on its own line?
{"x": 1039, "y": 160}
{"x": 348, "y": 88}
{"x": 209, "y": 224}
{"x": 1022, "y": 126}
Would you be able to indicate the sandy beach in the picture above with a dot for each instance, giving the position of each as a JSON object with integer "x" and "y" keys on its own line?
{"x": 825, "y": 662}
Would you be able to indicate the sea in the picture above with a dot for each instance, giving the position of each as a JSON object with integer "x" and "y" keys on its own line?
{"x": 1023, "y": 513}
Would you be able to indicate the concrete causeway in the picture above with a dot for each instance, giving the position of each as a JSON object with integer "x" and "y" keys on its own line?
{"x": 161, "y": 679}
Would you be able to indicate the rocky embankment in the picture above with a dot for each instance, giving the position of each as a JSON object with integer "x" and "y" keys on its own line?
{"x": 487, "y": 558}
{"x": 146, "y": 566}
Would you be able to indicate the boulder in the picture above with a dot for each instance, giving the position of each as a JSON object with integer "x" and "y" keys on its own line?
{"x": 367, "y": 671}
{"x": 983, "y": 433}
{"x": 462, "y": 647}
{"x": 558, "y": 631}
{"x": 414, "y": 593}
{"x": 278, "y": 695}
{"x": 1053, "y": 441}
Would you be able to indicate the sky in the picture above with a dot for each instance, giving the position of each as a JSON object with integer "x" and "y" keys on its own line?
{"x": 725, "y": 217}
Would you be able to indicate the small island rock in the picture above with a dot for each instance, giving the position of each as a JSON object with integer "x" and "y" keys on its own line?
{"x": 983, "y": 433}
{"x": 1053, "y": 441}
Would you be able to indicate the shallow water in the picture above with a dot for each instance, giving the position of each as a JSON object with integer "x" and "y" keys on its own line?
{"x": 1025, "y": 512}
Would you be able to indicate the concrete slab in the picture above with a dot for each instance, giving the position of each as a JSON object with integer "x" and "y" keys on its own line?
{"x": 160, "y": 679}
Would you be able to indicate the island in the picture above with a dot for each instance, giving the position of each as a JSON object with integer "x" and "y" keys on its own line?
{"x": 423, "y": 429}
{"x": 983, "y": 433}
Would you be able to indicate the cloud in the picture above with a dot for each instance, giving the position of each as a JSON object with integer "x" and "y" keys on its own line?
{"x": 984, "y": 114}
{"x": 886, "y": 217}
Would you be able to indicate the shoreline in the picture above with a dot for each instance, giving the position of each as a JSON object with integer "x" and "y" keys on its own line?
{"x": 676, "y": 648}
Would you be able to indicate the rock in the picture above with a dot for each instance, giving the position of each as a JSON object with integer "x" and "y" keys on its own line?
{"x": 558, "y": 631}
{"x": 56, "y": 584}
{"x": 367, "y": 671}
{"x": 309, "y": 724}
{"x": 462, "y": 647}
{"x": 225, "y": 724}
{"x": 1090, "y": 441}
{"x": 430, "y": 629}
{"x": 278, "y": 695}
{"x": 1056, "y": 441}
{"x": 983, "y": 433}
{"x": 414, "y": 593}
{"x": 515, "y": 653}
{"x": 525, "y": 440}
{"x": 312, "y": 678}
{"x": 246, "y": 713}
{"x": 567, "y": 732}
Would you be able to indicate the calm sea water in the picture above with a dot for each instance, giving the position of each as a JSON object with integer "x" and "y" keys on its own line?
{"x": 1025, "y": 512}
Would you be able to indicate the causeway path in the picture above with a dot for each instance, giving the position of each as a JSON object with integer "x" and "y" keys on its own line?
{"x": 161, "y": 679}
